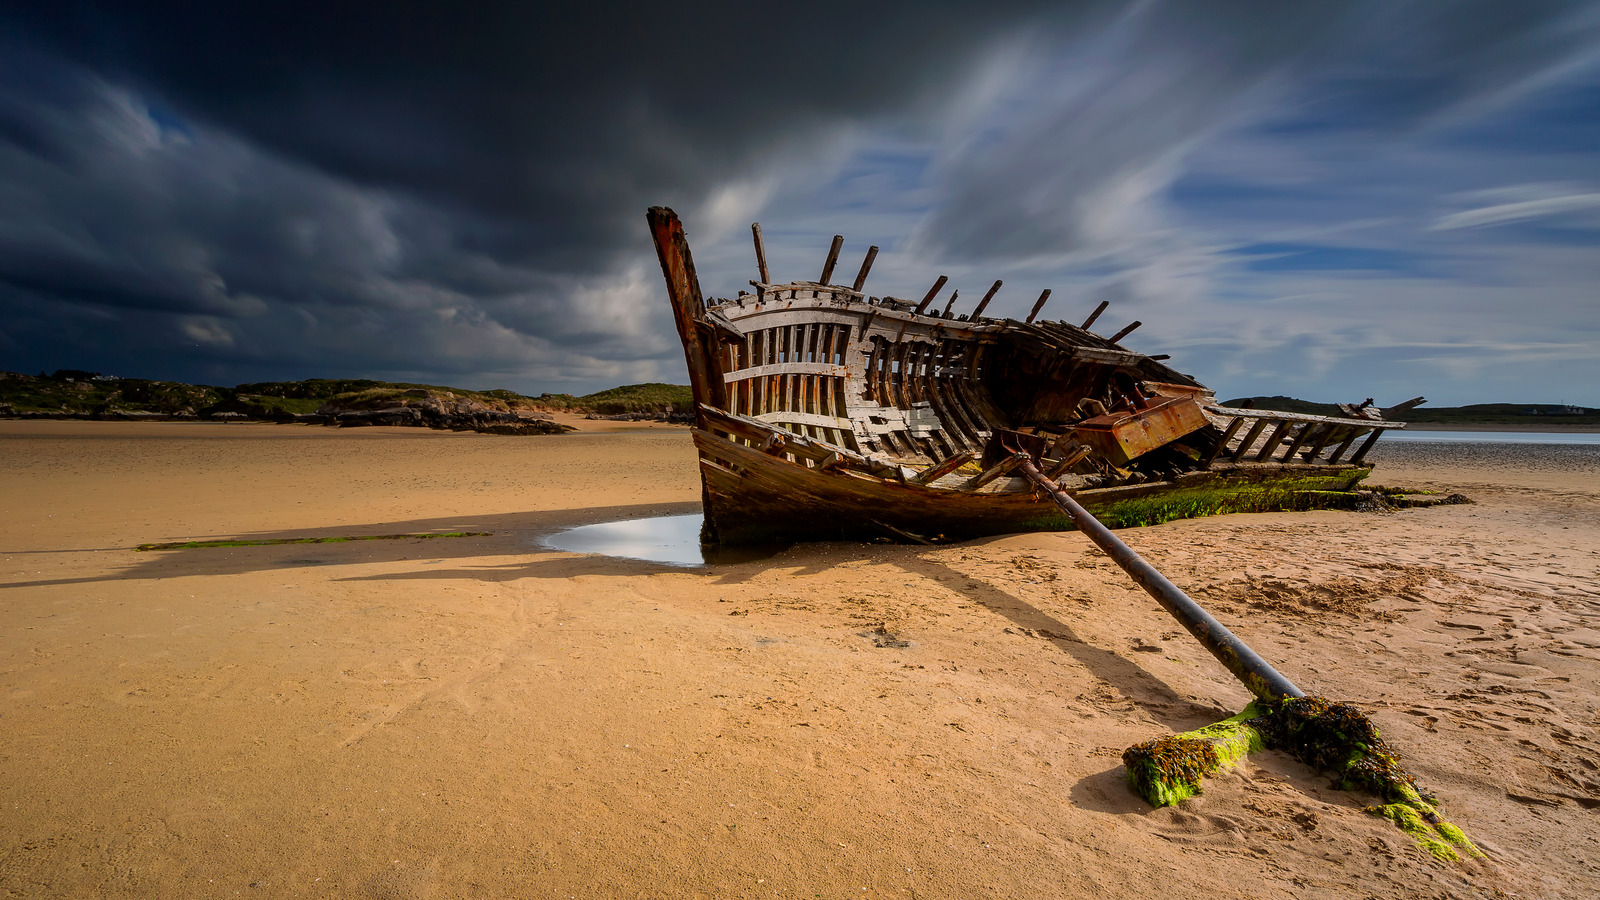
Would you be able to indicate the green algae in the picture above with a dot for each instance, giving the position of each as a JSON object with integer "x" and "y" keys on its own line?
{"x": 274, "y": 542}
{"x": 1167, "y": 770}
{"x": 1329, "y": 736}
{"x": 1222, "y": 496}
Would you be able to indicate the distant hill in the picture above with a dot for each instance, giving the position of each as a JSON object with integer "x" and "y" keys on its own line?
{"x": 80, "y": 394}
{"x": 1522, "y": 414}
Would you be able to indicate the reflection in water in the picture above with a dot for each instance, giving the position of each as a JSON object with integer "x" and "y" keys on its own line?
{"x": 674, "y": 540}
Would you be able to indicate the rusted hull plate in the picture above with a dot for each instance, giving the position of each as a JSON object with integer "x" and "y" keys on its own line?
{"x": 1124, "y": 437}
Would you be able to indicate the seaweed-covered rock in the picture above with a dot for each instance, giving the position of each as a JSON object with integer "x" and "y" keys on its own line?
{"x": 1327, "y": 735}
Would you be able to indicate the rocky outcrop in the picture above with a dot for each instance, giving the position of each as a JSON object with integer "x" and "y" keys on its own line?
{"x": 449, "y": 414}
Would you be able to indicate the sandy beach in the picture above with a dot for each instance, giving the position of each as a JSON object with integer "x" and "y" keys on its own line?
{"x": 485, "y": 717}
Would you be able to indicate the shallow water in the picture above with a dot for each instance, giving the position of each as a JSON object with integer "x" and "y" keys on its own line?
{"x": 672, "y": 540}
{"x": 1494, "y": 437}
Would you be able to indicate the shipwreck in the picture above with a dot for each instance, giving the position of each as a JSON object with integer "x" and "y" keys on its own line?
{"x": 824, "y": 413}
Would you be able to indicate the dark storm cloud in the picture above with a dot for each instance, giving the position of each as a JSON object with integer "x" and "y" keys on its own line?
{"x": 243, "y": 191}
{"x": 278, "y": 177}
{"x": 552, "y": 118}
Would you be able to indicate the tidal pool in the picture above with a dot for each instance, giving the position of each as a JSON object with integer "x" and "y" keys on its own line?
{"x": 672, "y": 540}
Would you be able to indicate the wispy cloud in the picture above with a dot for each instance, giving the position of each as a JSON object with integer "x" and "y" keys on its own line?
{"x": 1523, "y": 210}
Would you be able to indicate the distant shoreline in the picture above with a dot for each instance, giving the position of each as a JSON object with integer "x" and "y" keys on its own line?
{"x": 1541, "y": 428}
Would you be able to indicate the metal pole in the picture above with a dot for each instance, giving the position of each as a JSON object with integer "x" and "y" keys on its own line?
{"x": 1254, "y": 672}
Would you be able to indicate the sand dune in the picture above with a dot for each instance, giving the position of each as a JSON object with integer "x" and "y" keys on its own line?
{"x": 482, "y": 716}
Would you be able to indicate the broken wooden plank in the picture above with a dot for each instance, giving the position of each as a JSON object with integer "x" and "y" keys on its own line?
{"x": 1240, "y": 411}
{"x": 761, "y": 255}
{"x": 940, "y": 469}
{"x": 993, "y": 472}
{"x": 1071, "y": 459}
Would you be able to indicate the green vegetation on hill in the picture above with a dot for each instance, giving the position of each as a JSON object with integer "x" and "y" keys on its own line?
{"x": 80, "y": 393}
{"x": 640, "y": 398}
{"x": 1530, "y": 415}
{"x": 1287, "y": 404}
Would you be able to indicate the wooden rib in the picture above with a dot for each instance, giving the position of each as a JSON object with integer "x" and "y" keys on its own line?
{"x": 1125, "y": 332}
{"x": 866, "y": 266}
{"x": 984, "y": 303}
{"x": 1095, "y": 315}
{"x": 1272, "y": 443}
{"x": 1233, "y": 428}
{"x": 1038, "y": 304}
{"x": 869, "y": 374}
{"x": 1300, "y": 440}
{"x": 833, "y": 257}
{"x": 1339, "y": 451}
{"x": 1250, "y": 438}
{"x": 948, "y": 427}
{"x": 1323, "y": 440}
{"x": 902, "y": 389}
{"x": 932, "y": 292}
{"x": 1367, "y": 445}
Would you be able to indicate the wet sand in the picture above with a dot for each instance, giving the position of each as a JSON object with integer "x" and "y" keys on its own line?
{"x": 481, "y": 716}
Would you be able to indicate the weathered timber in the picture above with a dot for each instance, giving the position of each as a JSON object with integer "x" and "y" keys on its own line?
{"x": 984, "y": 303}
{"x": 1241, "y": 412}
{"x": 688, "y": 305}
{"x": 1038, "y": 305}
{"x": 945, "y": 467}
{"x": 1125, "y": 331}
{"x": 866, "y": 266}
{"x": 1095, "y": 315}
{"x": 761, "y": 253}
{"x": 932, "y": 292}
{"x": 833, "y": 259}
{"x": 990, "y": 474}
{"x": 1077, "y": 455}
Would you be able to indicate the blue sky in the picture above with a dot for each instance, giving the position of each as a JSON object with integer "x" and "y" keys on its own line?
{"x": 1331, "y": 201}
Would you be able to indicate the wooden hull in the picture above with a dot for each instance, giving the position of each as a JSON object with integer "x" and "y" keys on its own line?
{"x": 824, "y": 413}
{"x": 755, "y": 498}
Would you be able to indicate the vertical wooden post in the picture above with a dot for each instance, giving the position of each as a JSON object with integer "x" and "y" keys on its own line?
{"x": 932, "y": 292}
{"x": 1039, "y": 304}
{"x": 1095, "y": 315}
{"x": 866, "y": 266}
{"x": 952, "y": 304}
{"x": 761, "y": 253}
{"x": 984, "y": 303}
{"x": 833, "y": 258}
{"x": 688, "y": 310}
